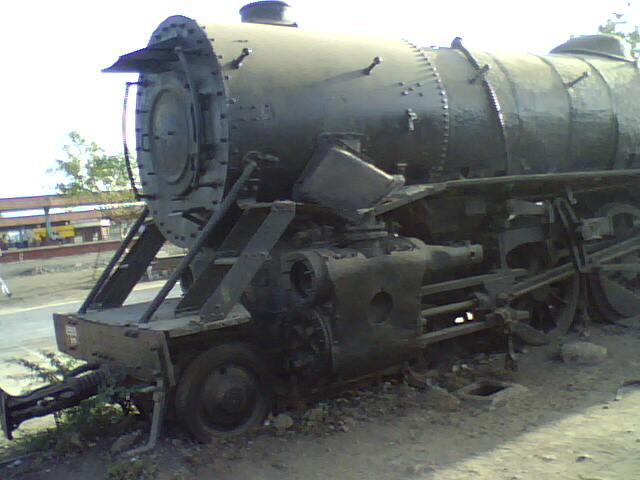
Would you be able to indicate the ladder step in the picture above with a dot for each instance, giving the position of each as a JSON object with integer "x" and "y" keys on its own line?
{"x": 225, "y": 261}
{"x": 246, "y": 247}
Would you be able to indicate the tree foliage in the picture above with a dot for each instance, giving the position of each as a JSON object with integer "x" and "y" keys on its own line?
{"x": 87, "y": 168}
{"x": 618, "y": 25}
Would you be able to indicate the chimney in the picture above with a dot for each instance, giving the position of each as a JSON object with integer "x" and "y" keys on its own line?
{"x": 269, "y": 12}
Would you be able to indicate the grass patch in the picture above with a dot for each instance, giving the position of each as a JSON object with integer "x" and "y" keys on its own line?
{"x": 134, "y": 469}
{"x": 76, "y": 428}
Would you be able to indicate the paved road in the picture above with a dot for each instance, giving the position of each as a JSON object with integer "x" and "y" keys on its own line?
{"x": 27, "y": 331}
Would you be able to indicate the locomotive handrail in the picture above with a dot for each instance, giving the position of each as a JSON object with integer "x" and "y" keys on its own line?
{"x": 197, "y": 113}
{"x": 125, "y": 146}
{"x": 596, "y": 174}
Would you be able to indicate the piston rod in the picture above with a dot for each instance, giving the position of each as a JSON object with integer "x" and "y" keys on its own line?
{"x": 451, "y": 307}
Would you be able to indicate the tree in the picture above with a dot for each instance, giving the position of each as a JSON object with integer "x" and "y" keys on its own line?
{"x": 88, "y": 169}
{"x": 617, "y": 25}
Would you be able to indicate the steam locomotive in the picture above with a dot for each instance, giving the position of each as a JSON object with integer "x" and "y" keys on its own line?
{"x": 350, "y": 205}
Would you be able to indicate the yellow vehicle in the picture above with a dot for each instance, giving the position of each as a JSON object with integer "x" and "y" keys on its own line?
{"x": 62, "y": 231}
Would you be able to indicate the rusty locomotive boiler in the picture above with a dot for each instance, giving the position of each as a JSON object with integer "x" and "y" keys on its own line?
{"x": 348, "y": 204}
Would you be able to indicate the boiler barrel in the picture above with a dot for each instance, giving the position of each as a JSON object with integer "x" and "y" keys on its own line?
{"x": 211, "y": 95}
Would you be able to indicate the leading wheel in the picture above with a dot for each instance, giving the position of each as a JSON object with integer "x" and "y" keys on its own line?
{"x": 615, "y": 289}
{"x": 225, "y": 391}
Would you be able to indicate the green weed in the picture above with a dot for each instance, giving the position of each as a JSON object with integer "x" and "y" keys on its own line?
{"x": 133, "y": 469}
{"x": 76, "y": 428}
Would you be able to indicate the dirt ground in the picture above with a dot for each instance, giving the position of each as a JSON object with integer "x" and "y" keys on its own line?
{"x": 55, "y": 280}
{"x": 572, "y": 422}
{"x": 40, "y": 282}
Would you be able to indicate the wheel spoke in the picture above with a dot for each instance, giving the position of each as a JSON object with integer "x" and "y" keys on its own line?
{"x": 626, "y": 302}
{"x": 224, "y": 392}
{"x": 557, "y": 300}
{"x": 553, "y": 307}
{"x": 616, "y": 291}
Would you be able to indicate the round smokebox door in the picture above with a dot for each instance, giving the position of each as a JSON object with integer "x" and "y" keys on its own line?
{"x": 170, "y": 135}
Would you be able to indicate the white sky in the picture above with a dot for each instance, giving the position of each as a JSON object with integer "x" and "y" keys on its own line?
{"x": 53, "y": 51}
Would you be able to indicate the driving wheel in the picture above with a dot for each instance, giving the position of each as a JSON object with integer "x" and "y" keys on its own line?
{"x": 552, "y": 308}
{"x": 615, "y": 288}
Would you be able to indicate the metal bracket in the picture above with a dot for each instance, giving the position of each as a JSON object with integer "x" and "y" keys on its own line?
{"x": 480, "y": 73}
{"x": 164, "y": 380}
{"x": 374, "y": 63}
{"x": 510, "y": 360}
{"x": 412, "y": 117}
{"x": 253, "y": 256}
{"x": 208, "y": 229}
{"x": 197, "y": 113}
{"x": 237, "y": 62}
{"x": 157, "y": 418}
{"x": 572, "y": 224}
{"x": 573, "y": 82}
{"x": 523, "y": 208}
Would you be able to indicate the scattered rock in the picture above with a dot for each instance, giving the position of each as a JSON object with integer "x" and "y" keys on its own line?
{"x": 283, "y": 422}
{"x": 626, "y": 386}
{"x": 440, "y": 399}
{"x": 459, "y": 379}
{"x": 278, "y": 465}
{"x": 417, "y": 469}
{"x": 125, "y": 442}
{"x": 76, "y": 441}
{"x": 191, "y": 460}
{"x": 316, "y": 414}
{"x": 547, "y": 458}
{"x": 583, "y": 353}
{"x": 491, "y": 392}
{"x": 583, "y": 457}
